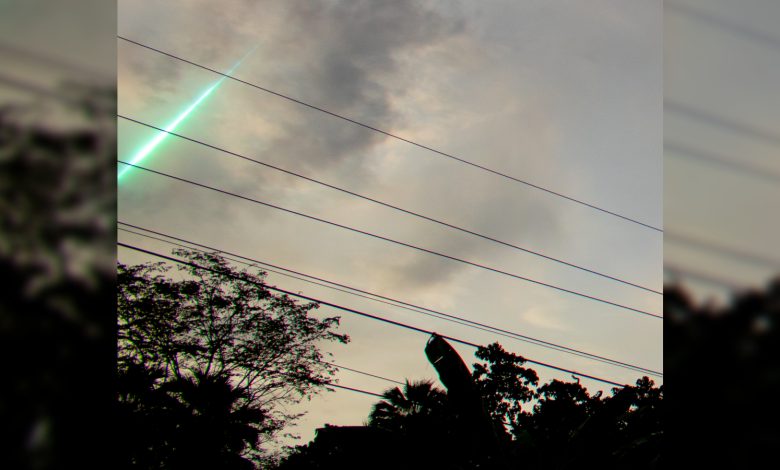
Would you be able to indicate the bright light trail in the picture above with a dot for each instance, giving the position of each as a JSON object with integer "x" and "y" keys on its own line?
{"x": 149, "y": 147}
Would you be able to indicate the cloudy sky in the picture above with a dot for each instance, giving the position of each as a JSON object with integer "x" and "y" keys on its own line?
{"x": 565, "y": 95}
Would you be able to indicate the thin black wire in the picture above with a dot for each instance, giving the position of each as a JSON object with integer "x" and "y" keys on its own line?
{"x": 351, "y": 389}
{"x": 443, "y": 316}
{"x": 82, "y": 70}
{"x": 395, "y": 302}
{"x": 379, "y": 237}
{"x": 365, "y": 392}
{"x": 368, "y": 374}
{"x": 720, "y": 121}
{"x": 357, "y": 312}
{"x": 678, "y": 272}
{"x": 391, "y": 206}
{"x": 36, "y": 90}
{"x": 701, "y": 155}
{"x": 422, "y": 311}
{"x": 723, "y": 250}
{"x": 771, "y": 41}
{"x": 394, "y": 136}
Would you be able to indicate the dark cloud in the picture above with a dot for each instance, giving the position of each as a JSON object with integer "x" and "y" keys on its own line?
{"x": 351, "y": 62}
{"x": 349, "y": 57}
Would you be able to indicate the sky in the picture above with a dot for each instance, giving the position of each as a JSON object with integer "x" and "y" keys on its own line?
{"x": 40, "y": 54}
{"x": 565, "y": 95}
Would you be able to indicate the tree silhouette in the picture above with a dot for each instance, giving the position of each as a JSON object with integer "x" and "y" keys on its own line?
{"x": 503, "y": 383}
{"x": 559, "y": 424}
{"x": 208, "y": 362}
{"x": 560, "y": 407}
{"x": 420, "y": 404}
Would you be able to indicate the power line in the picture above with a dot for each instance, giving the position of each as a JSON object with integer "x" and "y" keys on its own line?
{"x": 391, "y": 206}
{"x": 722, "y": 249}
{"x": 379, "y": 237}
{"x": 417, "y": 309}
{"x": 368, "y": 374}
{"x": 720, "y": 121}
{"x": 28, "y": 55}
{"x": 405, "y": 305}
{"x": 707, "y": 278}
{"x": 356, "y": 312}
{"x": 34, "y": 89}
{"x": 327, "y": 384}
{"x": 394, "y": 136}
{"x": 701, "y": 155}
{"x": 364, "y": 392}
{"x": 771, "y": 41}
{"x": 398, "y": 303}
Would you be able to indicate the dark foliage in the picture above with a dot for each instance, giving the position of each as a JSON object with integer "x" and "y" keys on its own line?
{"x": 207, "y": 363}
{"x": 556, "y": 425}
{"x": 419, "y": 405}
{"x": 560, "y": 425}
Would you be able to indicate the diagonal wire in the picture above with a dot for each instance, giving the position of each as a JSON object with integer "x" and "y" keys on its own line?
{"x": 390, "y": 240}
{"x": 396, "y": 303}
{"x": 394, "y": 207}
{"x": 394, "y": 136}
{"x": 354, "y": 311}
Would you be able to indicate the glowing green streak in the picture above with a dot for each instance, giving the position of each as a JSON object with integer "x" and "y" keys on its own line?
{"x": 149, "y": 147}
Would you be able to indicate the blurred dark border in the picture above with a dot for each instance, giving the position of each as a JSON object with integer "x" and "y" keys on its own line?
{"x": 57, "y": 248}
{"x": 57, "y": 252}
{"x": 721, "y": 190}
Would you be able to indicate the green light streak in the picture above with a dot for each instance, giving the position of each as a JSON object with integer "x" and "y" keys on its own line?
{"x": 157, "y": 140}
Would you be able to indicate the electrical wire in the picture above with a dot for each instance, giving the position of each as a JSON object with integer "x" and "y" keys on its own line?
{"x": 36, "y": 90}
{"x": 343, "y": 387}
{"x": 771, "y": 41}
{"x": 356, "y": 312}
{"x": 676, "y": 148}
{"x": 394, "y": 136}
{"x": 390, "y": 240}
{"x": 676, "y": 272}
{"x": 720, "y": 121}
{"x": 394, "y": 302}
{"x": 368, "y": 374}
{"x": 724, "y": 250}
{"x": 364, "y": 392}
{"x": 391, "y": 206}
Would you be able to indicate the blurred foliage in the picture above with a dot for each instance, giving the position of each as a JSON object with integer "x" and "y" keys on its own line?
{"x": 57, "y": 200}
{"x": 723, "y": 378}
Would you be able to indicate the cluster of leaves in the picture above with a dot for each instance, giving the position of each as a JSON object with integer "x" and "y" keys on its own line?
{"x": 207, "y": 363}
{"x": 561, "y": 424}
{"x": 410, "y": 409}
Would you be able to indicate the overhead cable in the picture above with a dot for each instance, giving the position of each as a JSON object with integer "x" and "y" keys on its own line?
{"x": 354, "y": 311}
{"x": 394, "y": 136}
{"x": 394, "y": 207}
{"x": 390, "y": 240}
{"x": 393, "y": 302}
